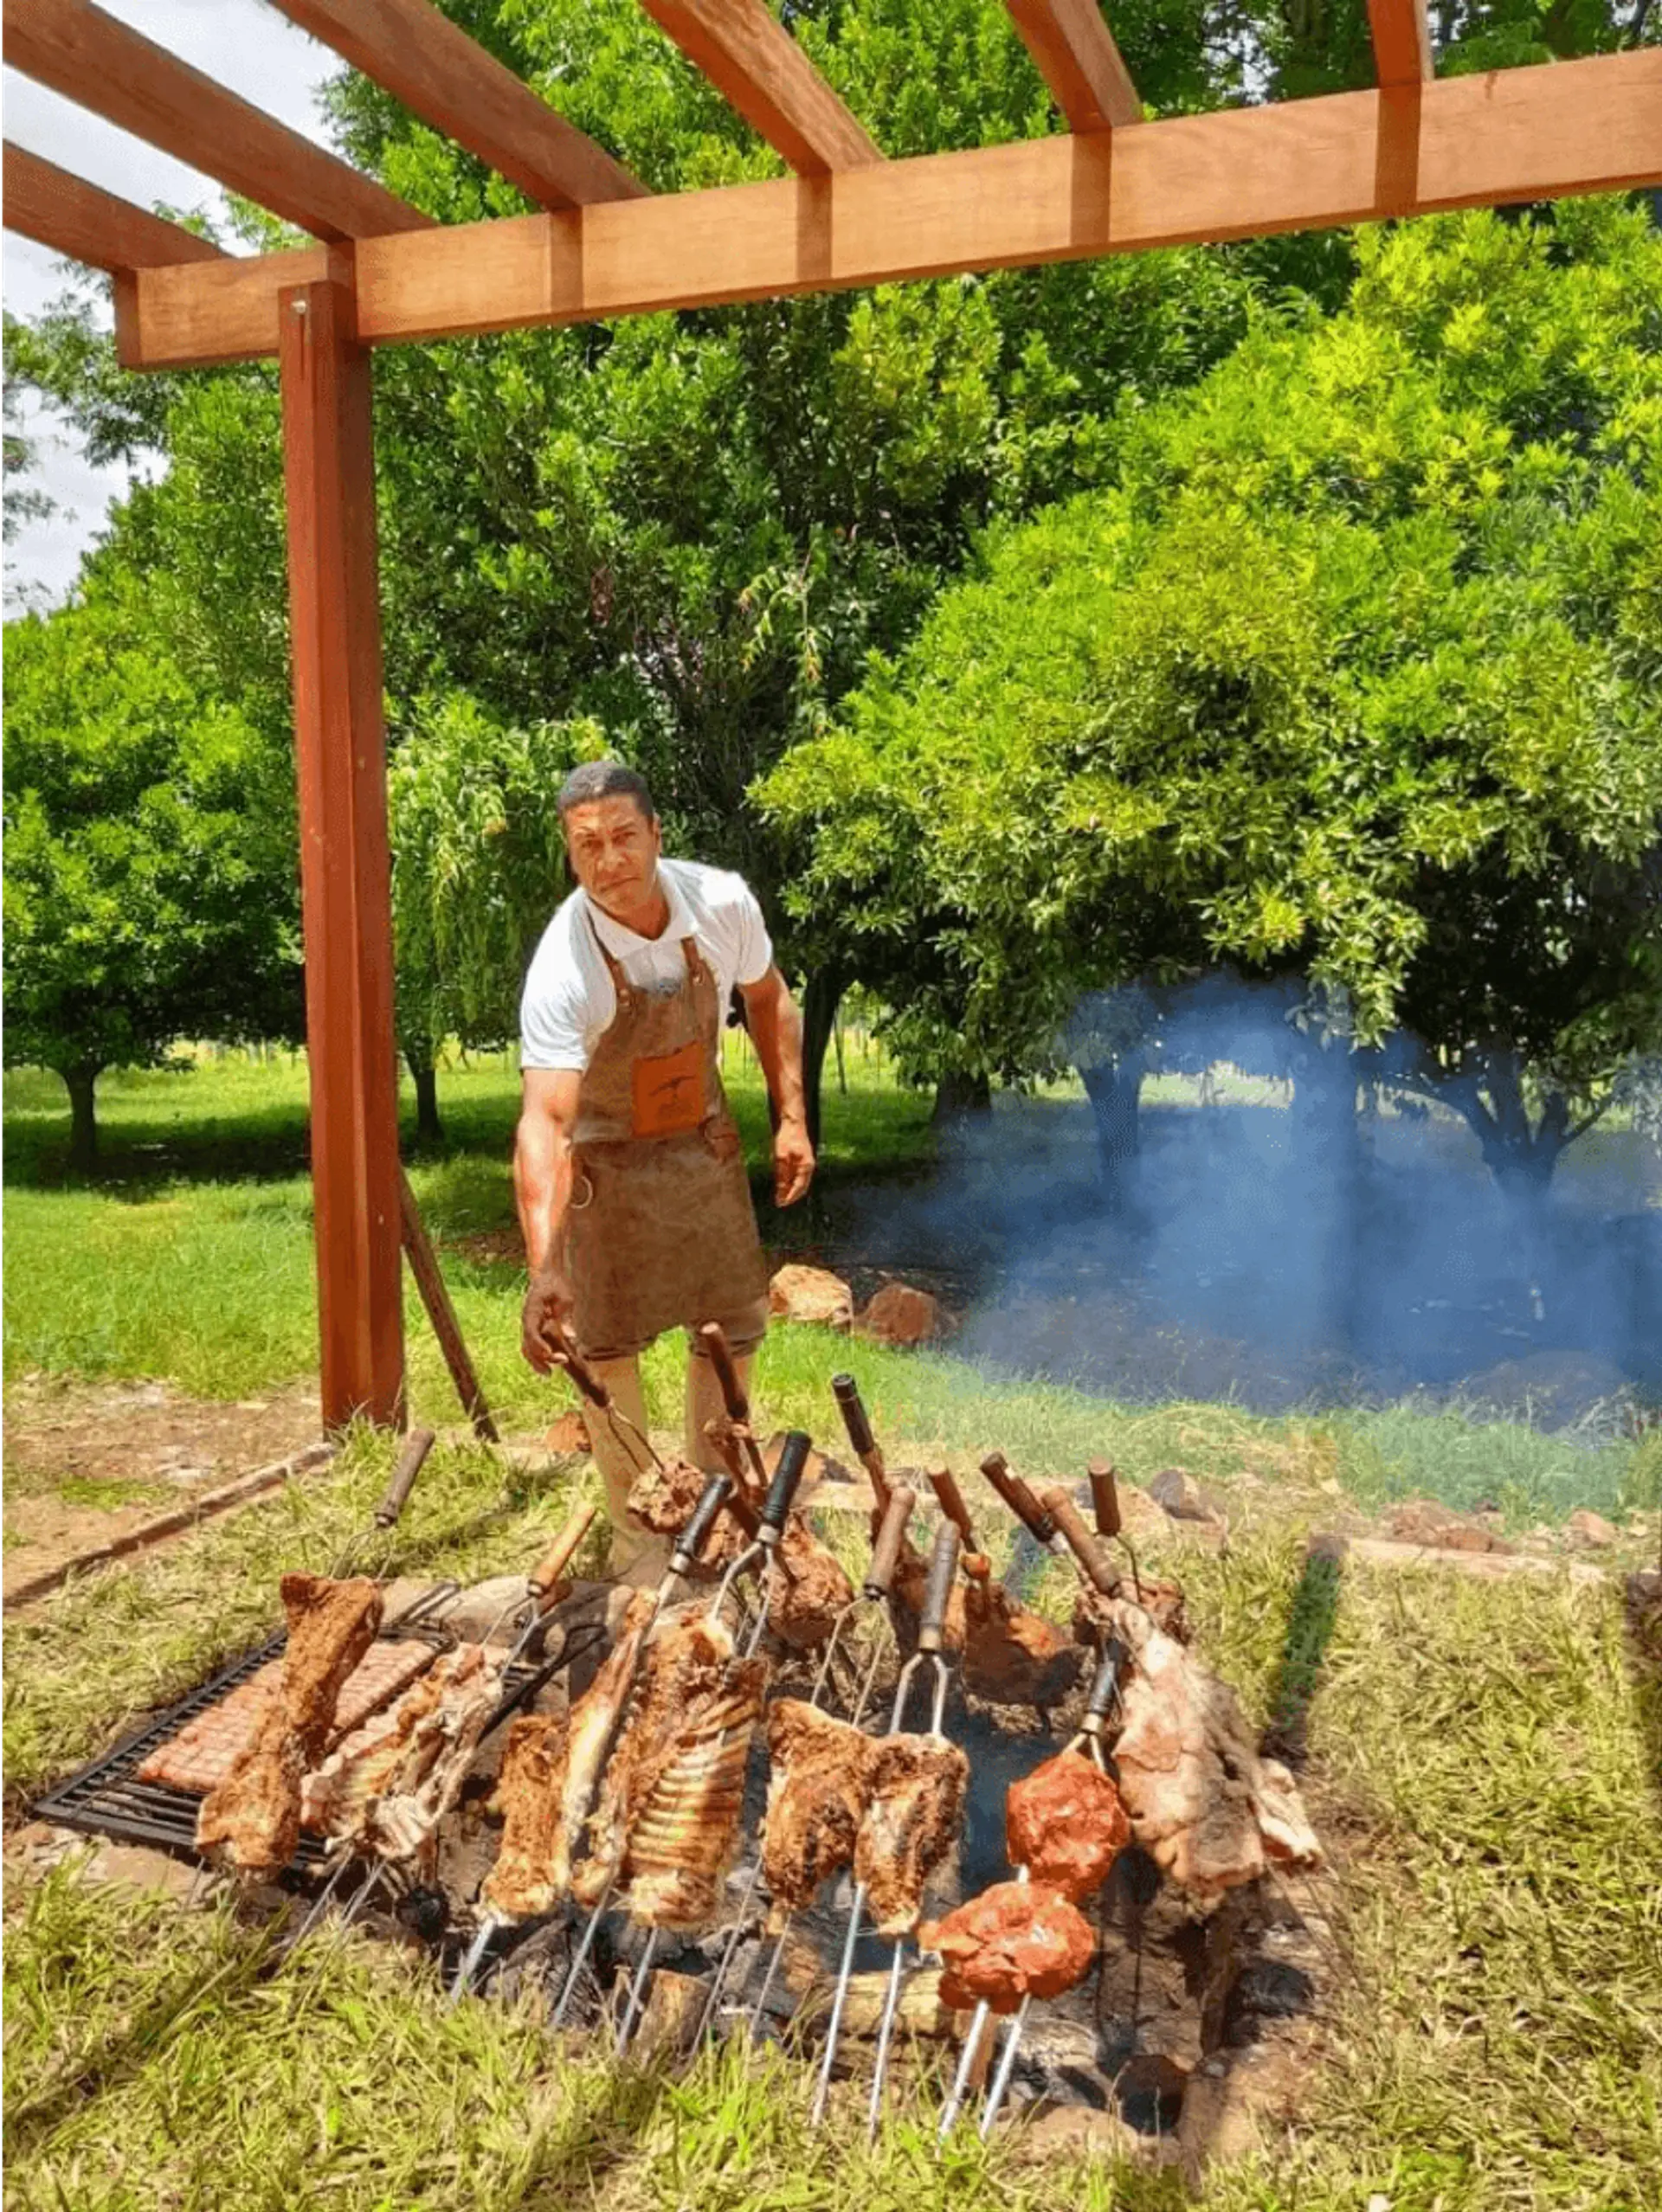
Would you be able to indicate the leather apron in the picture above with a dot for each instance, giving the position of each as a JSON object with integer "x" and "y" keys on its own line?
{"x": 661, "y": 1232}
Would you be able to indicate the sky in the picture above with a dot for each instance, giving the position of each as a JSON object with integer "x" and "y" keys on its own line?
{"x": 246, "y": 45}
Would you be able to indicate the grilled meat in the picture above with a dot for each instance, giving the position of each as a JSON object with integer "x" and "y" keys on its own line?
{"x": 687, "y": 1833}
{"x": 528, "y": 1795}
{"x": 1011, "y": 1655}
{"x": 810, "y": 1588}
{"x": 1064, "y": 1822}
{"x": 1017, "y": 1939}
{"x": 917, "y": 1785}
{"x": 594, "y": 1719}
{"x": 253, "y": 1816}
{"x": 817, "y": 1796}
{"x": 662, "y": 1498}
{"x": 439, "y": 1750}
{"x": 1162, "y": 1601}
{"x": 391, "y": 1754}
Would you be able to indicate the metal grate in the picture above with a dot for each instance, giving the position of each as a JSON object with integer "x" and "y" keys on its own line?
{"x": 106, "y": 1798}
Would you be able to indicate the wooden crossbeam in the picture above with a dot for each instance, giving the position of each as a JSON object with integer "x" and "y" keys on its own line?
{"x": 1594, "y": 125}
{"x": 69, "y": 217}
{"x": 91, "y": 59}
{"x": 758, "y": 69}
{"x": 1073, "y": 51}
{"x": 1401, "y": 41}
{"x": 450, "y": 81}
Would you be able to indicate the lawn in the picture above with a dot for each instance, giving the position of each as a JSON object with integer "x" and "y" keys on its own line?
{"x": 1483, "y": 1758}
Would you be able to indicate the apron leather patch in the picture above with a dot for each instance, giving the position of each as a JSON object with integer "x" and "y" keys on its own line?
{"x": 667, "y": 1093}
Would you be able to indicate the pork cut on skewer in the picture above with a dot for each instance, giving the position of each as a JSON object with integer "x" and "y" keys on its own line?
{"x": 1017, "y": 1940}
{"x": 520, "y": 1885}
{"x": 917, "y": 1786}
{"x": 594, "y": 1723}
{"x": 253, "y": 1816}
{"x": 1065, "y": 1825}
{"x": 818, "y": 1790}
{"x": 404, "y": 1819}
{"x": 372, "y": 1760}
{"x": 687, "y": 1831}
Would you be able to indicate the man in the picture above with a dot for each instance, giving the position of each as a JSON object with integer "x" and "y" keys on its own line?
{"x": 628, "y": 1167}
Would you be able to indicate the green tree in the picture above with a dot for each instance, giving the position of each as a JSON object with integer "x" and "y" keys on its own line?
{"x": 1354, "y": 675}
{"x": 478, "y": 867}
{"x": 149, "y": 872}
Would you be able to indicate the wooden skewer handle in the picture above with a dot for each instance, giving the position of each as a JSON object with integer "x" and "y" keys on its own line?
{"x": 1028, "y": 1510}
{"x": 718, "y": 1352}
{"x": 1068, "y": 1518}
{"x": 417, "y": 1444}
{"x": 582, "y": 1373}
{"x": 1105, "y": 1497}
{"x": 886, "y": 1552}
{"x": 949, "y": 1498}
{"x": 561, "y": 1553}
{"x": 938, "y": 1591}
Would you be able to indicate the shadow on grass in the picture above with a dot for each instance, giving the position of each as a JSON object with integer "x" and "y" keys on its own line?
{"x": 1644, "y": 1623}
{"x": 1310, "y": 1620}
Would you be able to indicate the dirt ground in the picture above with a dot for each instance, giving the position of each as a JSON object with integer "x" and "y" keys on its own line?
{"x": 85, "y": 1463}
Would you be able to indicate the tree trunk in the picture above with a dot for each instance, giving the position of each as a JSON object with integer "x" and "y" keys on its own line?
{"x": 822, "y": 996}
{"x": 1329, "y": 1161}
{"x": 429, "y": 1129}
{"x": 959, "y": 1095}
{"x": 1520, "y": 1159}
{"x": 1114, "y": 1088}
{"x": 82, "y": 1084}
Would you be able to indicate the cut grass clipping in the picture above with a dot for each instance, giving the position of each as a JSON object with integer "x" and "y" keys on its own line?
{"x": 1482, "y": 1766}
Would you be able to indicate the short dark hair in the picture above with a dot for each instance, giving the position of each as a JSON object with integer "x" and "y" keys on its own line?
{"x": 593, "y": 780}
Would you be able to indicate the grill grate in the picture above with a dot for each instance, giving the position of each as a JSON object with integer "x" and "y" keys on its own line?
{"x": 106, "y": 1798}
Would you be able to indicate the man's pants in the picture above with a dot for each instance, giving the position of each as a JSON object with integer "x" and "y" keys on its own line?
{"x": 620, "y": 1455}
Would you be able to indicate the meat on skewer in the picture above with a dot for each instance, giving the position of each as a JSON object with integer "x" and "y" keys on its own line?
{"x": 528, "y": 1789}
{"x": 384, "y": 1753}
{"x": 805, "y": 1597}
{"x": 253, "y": 1816}
{"x": 404, "y": 1819}
{"x": 687, "y": 1833}
{"x": 1013, "y": 1655}
{"x": 594, "y": 1720}
{"x": 1065, "y": 1824}
{"x": 818, "y": 1790}
{"x": 917, "y": 1791}
{"x": 1016, "y": 1940}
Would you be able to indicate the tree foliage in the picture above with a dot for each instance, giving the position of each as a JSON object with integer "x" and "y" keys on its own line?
{"x": 148, "y": 857}
{"x": 1354, "y": 673}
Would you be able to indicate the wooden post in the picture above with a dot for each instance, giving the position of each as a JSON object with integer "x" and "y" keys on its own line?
{"x": 340, "y": 748}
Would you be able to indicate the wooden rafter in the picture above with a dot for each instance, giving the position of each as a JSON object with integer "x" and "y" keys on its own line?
{"x": 1073, "y": 51}
{"x": 1402, "y": 43}
{"x": 449, "y": 80}
{"x": 1593, "y": 126}
{"x": 69, "y": 217}
{"x": 89, "y": 57}
{"x": 758, "y": 69}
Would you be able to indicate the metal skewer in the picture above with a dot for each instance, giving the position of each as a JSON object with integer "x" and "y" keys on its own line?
{"x": 590, "y": 1386}
{"x": 688, "y": 1544}
{"x": 713, "y": 1343}
{"x": 941, "y": 1567}
{"x": 417, "y": 1444}
{"x": 1105, "y": 1692}
{"x": 544, "y": 1578}
{"x": 886, "y": 1552}
{"x": 762, "y": 1554}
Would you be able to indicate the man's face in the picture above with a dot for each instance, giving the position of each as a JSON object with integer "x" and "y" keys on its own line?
{"x": 613, "y": 849}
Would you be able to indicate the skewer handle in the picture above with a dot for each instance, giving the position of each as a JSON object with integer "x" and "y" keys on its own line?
{"x": 1080, "y": 1542}
{"x": 938, "y": 1591}
{"x": 886, "y": 1552}
{"x": 713, "y": 1342}
{"x": 546, "y": 1574}
{"x": 1105, "y": 1688}
{"x": 588, "y": 1382}
{"x": 417, "y": 1444}
{"x": 792, "y": 1458}
{"x": 690, "y": 1542}
{"x": 1028, "y": 1510}
{"x": 867, "y": 1450}
{"x": 949, "y": 1498}
{"x": 1105, "y": 1497}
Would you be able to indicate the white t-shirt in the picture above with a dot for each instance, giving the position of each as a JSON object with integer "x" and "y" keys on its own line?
{"x": 569, "y": 1001}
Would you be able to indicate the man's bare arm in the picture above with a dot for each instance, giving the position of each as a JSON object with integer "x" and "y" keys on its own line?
{"x": 542, "y": 1188}
{"x": 775, "y": 1029}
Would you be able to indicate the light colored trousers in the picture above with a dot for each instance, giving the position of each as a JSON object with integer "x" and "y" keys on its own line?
{"x": 619, "y": 1453}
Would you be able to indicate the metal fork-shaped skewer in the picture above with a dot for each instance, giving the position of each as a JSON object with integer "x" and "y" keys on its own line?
{"x": 942, "y": 1566}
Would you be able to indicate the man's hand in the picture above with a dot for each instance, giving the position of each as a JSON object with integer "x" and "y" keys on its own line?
{"x": 547, "y": 1311}
{"x": 793, "y": 1162}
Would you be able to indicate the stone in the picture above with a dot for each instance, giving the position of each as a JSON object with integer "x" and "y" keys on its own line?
{"x": 811, "y": 1294}
{"x": 1423, "y": 1521}
{"x": 1073, "y": 2128}
{"x": 670, "y": 2019}
{"x": 1150, "y": 2088}
{"x": 1586, "y": 1527}
{"x": 1181, "y": 1496}
{"x": 566, "y": 1437}
{"x": 899, "y": 1314}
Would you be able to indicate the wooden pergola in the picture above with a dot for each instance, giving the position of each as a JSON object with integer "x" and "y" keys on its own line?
{"x": 382, "y": 272}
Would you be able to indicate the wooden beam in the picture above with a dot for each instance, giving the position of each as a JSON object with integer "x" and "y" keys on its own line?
{"x": 347, "y": 911}
{"x": 758, "y": 69}
{"x": 69, "y": 217}
{"x": 1594, "y": 125}
{"x": 1073, "y": 51}
{"x": 449, "y": 80}
{"x": 1401, "y": 41}
{"x": 435, "y": 1296}
{"x": 91, "y": 59}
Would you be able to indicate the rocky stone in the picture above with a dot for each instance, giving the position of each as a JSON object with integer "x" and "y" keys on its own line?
{"x": 1423, "y": 1521}
{"x": 900, "y": 1315}
{"x": 1181, "y": 1496}
{"x": 1586, "y": 1527}
{"x": 811, "y": 1294}
{"x": 1150, "y": 2089}
{"x": 1070, "y": 2129}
